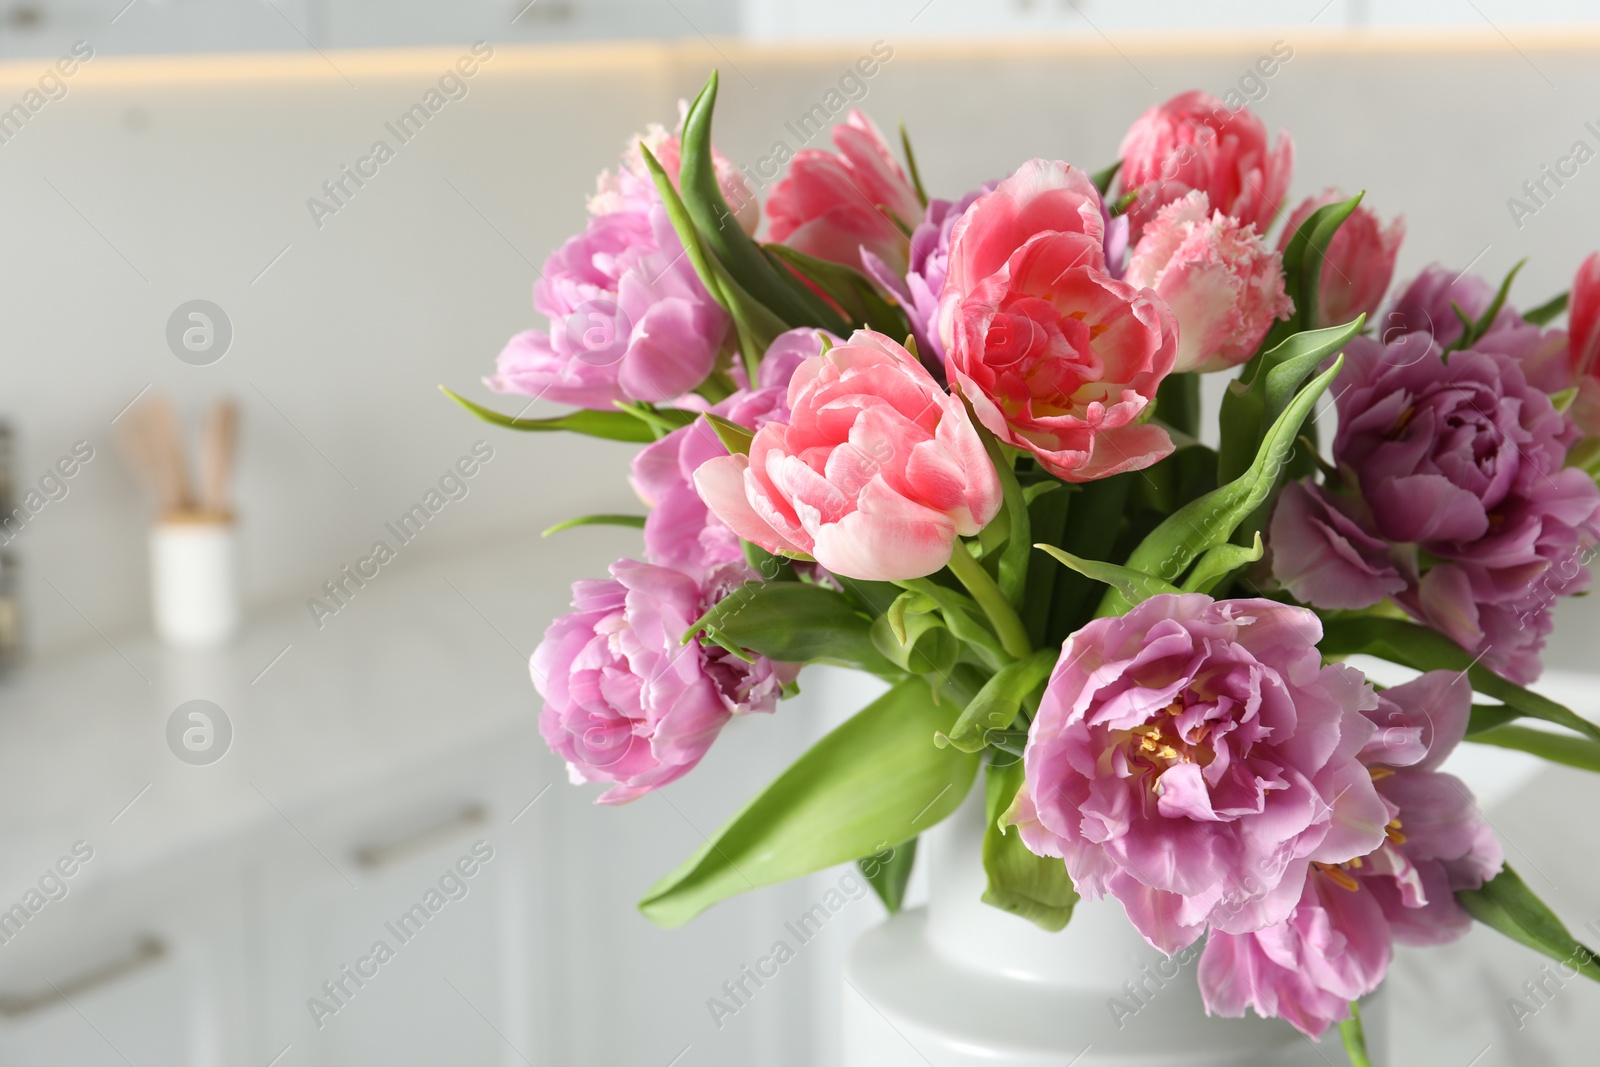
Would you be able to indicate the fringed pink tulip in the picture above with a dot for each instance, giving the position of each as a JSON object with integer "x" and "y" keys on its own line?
{"x": 1220, "y": 279}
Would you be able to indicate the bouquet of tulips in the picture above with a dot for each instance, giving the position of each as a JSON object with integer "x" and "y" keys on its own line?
{"x": 956, "y": 444}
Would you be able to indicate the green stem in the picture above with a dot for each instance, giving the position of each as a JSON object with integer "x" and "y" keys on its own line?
{"x": 1007, "y": 626}
{"x": 1355, "y": 1038}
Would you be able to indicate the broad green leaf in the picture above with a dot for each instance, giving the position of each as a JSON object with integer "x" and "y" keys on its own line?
{"x": 729, "y": 244}
{"x": 998, "y": 702}
{"x": 1134, "y": 586}
{"x": 1579, "y": 752}
{"x": 888, "y": 870}
{"x": 794, "y": 622}
{"x": 733, "y": 436}
{"x": 909, "y": 602}
{"x": 1424, "y": 649}
{"x": 911, "y": 166}
{"x": 965, "y": 619}
{"x": 610, "y": 425}
{"x": 1547, "y": 311}
{"x": 876, "y": 779}
{"x": 925, "y": 644}
{"x": 1032, "y": 887}
{"x": 1253, "y": 403}
{"x": 1507, "y": 904}
{"x": 1220, "y": 562}
{"x": 1210, "y": 521}
{"x": 635, "y": 521}
{"x": 848, "y": 288}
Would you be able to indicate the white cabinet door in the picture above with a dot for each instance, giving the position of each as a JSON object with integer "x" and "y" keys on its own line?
{"x": 408, "y": 945}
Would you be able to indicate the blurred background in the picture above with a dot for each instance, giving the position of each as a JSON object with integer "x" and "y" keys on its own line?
{"x": 160, "y": 159}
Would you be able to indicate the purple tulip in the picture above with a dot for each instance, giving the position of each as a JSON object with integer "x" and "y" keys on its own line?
{"x": 1194, "y": 758}
{"x": 624, "y": 700}
{"x": 1326, "y": 557}
{"x": 629, "y": 319}
{"x": 1336, "y": 945}
{"x": 1463, "y": 458}
{"x": 680, "y": 530}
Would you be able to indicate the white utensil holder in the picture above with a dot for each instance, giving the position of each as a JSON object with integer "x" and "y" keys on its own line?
{"x": 194, "y": 582}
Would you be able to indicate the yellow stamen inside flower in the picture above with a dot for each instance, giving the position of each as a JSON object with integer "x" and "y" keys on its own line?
{"x": 1380, "y": 773}
{"x": 1338, "y": 876}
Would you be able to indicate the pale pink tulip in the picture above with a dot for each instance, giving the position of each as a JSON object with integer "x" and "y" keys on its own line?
{"x": 875, "y": 475}
{"x": 1220, "y": 279}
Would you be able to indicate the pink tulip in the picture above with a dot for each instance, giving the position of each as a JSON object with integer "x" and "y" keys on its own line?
{"x": 1583, "y": 339}
{"x": 1360, "y": 262}
{"x": 875, "y": 475}
{"x": 1195, "y": 141}
{"x": 1220, "y": 279}
{"x": 833, "y": 206}
{"x": 1056, "y": 356}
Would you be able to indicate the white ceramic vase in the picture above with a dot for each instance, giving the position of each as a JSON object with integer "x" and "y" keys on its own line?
{"x": 959, "y": 983}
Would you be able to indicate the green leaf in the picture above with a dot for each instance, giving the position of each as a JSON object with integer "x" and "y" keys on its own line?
{"x": 1507, "y": 904}
{"x": 965, "y": 620}
{"x": 1094, "y": 521}
{"x": 1579, "y": 752}
{"x": 1220, "y": 562}
{"x": 1304, "y": 256}
{"x": 610, "y": 425}
{"x": 1424, "y": 649}
{"x": 789, "y": 300}
{"x": 1547, "y": 311}
{"x": 1035, "y": 888}
{"x": 1475, "y": 328}
{"x": 1210, "y": 521}
{"x": 877, "y": 778}
{"x": 888, "y": 870}
{"x": 1486, "y": 717}
{"x": 1178, "y": 403}
{"x": 923, "y": 645}
{"x": 1013, "y": 568}
{"x": 756, "y": 324}
{"x": 1047, "y": 515}
{"x": 733, "y": 436}
{"x": 1354, "y": 1037}
{"x": 911, "y": 166}
{"x": 1255, "y": 402}
{"x": 635, "y": 521}
{"x": 998, "y": 702}
{"x": 660, "y": 420}
{"x": 1102, "y": 178}
{"x": 849, "y": 288}
{"x": 1134, "y": 586}
{"x": 794, "y": 622}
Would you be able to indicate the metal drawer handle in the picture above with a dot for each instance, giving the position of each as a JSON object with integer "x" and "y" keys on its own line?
{"x": 148, "y": 950}
{"x": 381, "y": 854}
